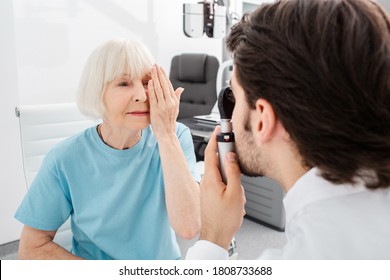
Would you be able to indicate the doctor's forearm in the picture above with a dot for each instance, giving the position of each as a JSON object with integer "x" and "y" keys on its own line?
{"x": 181, "y": 190}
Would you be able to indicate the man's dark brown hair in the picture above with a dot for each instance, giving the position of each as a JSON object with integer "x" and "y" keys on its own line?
{"x": 324, "y": 66}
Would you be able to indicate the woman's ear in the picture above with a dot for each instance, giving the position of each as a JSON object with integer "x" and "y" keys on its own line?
{"x": 265, "y": 121}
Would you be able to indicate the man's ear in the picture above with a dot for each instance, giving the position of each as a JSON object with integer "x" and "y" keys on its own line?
{"x": 265, "y": 120}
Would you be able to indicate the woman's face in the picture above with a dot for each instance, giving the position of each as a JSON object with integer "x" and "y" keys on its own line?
{"x": 126, "y": 102}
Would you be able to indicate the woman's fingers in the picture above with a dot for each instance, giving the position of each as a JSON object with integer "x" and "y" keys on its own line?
{"x": 178, "y": 93}
{"x": 167, "y": 83}
{"x": 162, "y": 86}
{"x": 157, "y": 88}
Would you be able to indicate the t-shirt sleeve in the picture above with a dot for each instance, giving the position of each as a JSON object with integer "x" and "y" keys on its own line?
{"x": 187, "y": 145}
{"x": 46, "y": 206}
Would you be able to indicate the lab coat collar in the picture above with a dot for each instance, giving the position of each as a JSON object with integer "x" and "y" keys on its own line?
{"x": 310, "y": 188}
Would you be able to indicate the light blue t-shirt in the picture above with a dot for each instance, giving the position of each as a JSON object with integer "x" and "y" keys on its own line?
{"x": 115, "y": 198}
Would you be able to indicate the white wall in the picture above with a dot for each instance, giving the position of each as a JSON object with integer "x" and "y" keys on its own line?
{"x": 54, "y": 38}
{"x": 11, "y": 178}
{"x": 43, "y": 47}
{"x": 385, "y": 4}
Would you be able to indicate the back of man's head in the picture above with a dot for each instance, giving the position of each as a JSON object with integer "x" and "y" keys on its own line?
{"x": 324, "y": 65}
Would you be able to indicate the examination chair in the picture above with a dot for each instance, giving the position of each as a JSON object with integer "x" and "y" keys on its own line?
{"x": 41, "y": 127}
{"x": 197, "y": 74}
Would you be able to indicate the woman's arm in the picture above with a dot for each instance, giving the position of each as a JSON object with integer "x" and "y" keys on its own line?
{"x": 181, "y": 190}
{"x": 38, "y": 244}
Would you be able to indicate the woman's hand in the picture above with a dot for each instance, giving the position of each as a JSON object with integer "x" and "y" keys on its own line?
{"x": 181, "y": 190}
{"x": 164, "y": 103}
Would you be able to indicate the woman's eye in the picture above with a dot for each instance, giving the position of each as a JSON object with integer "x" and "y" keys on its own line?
{"x": 123, "y": 84}
{"x": 146, "y": 79}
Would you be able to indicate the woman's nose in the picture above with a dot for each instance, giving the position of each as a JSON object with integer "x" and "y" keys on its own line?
{"x": 141, "y": 94}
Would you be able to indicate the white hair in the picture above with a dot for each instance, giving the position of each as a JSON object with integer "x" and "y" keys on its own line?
{"x": 108, "y": 62}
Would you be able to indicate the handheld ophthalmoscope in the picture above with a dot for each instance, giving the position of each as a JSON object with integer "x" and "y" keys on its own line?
{"x": 225, "y": 138}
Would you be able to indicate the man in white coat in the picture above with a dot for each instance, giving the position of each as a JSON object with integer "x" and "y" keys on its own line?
{"x": 312, "y": 111}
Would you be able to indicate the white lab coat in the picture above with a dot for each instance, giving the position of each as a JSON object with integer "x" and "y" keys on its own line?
{"x": 326, "y": 221}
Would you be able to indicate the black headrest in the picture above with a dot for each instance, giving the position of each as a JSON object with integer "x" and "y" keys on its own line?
{"x": 192, "y": 68}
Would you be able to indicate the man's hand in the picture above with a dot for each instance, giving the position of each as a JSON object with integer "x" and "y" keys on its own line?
{"x": 222, "y": 206}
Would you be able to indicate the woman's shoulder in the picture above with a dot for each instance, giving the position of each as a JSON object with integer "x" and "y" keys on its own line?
{"x": 68, "y": 145}
{"x": 180, "y": 128}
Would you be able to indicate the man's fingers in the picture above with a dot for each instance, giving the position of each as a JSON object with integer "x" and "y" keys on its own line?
{"x": 234, "y": 188}
{"x": 233, "y": 172}
{"x": 211, "y": 162}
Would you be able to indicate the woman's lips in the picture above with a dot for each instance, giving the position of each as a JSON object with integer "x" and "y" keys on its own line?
{"x": 138, "y": 113}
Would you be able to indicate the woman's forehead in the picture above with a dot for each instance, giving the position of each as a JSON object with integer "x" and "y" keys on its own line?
{"x": 127, "y": 75}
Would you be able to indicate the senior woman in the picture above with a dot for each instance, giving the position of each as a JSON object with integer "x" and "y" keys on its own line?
{"x": 129, "y": 183}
